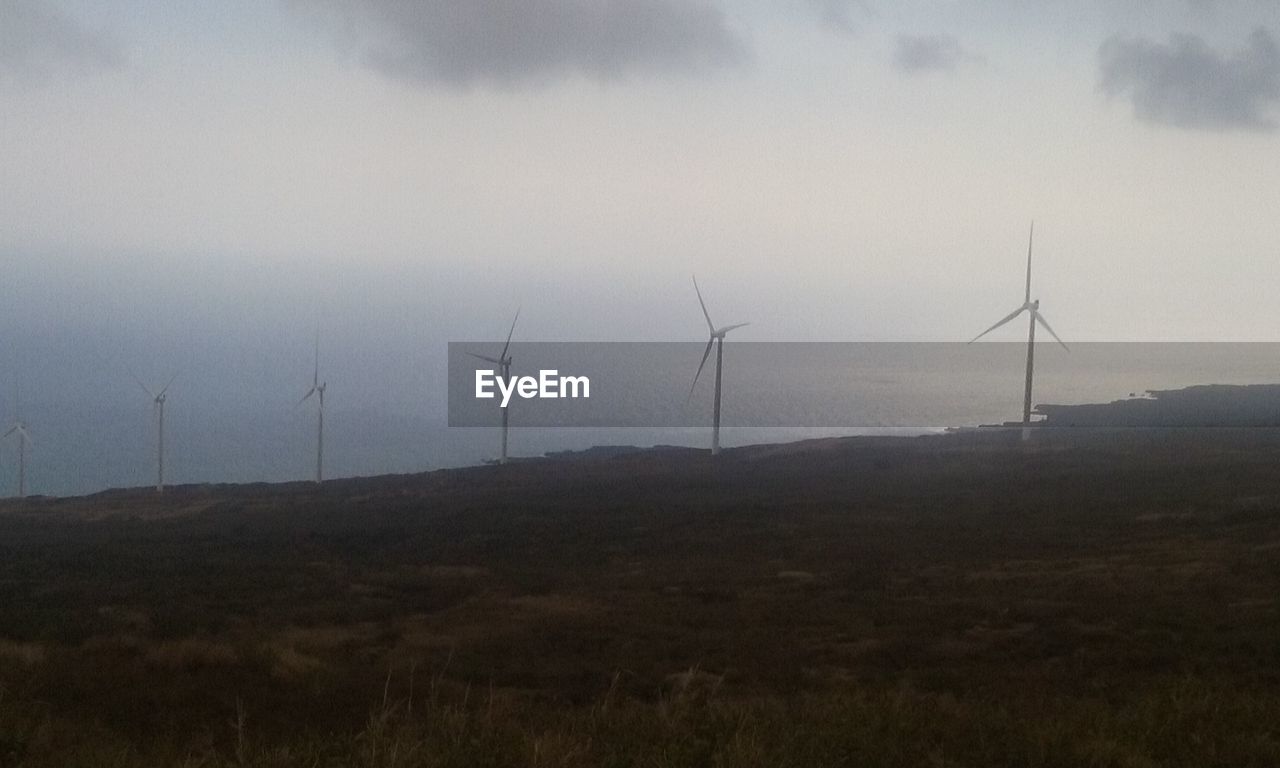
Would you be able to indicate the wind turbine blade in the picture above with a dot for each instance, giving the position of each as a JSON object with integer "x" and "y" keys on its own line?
{"x": 728, "y": 328}
{"x": 144, "y": 386}
{"x": 710, "y": 326}
{"x": 12, "y": 429}
{"x": 307, "y": 396}
{"x": 1007, "y": 318}
{"x": 315, "y": 379}
{"x": 23, "y": 434}
{"x": 705, "y": 354}
{"x": 166, "y": 386}
{"x": 1031, "y": 239}
{"x": 509, "y": 333}
{"x": 1040, "y": 319}
{"x": 485, "y": 358}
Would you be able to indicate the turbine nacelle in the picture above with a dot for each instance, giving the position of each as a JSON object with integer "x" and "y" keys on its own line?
{"x": 720, "y": 333}
{"x": 156, "y": 398}
{"x": 1028, "y": 304}
{"x": 503, "y": 359}
{"x": 20, "y": 429}
{"x": 717, "y": 334}
{"x": 316, "y": 389}
{"x": 1033, "y": 307}
{"x": 317, "y": 386}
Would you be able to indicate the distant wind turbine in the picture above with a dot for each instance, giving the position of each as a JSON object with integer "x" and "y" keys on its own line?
{"x": 24, "y": 439}
{"x": 158, "y": 401}
{"x": 717, "y": 338}
{"x": 1033, "y": 310}
{"x": 317, "y": 388}
{"x": 503, "y": 361}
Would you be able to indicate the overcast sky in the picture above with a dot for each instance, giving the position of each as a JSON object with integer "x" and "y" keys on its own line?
{"x": 407, "y": 173}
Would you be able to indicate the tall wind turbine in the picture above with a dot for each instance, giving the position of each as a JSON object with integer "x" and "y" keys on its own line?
{"x": 24, "y": 439}
{"x": 1033, "y": 310}
{"x": 317, "y": 388}
{"x": 158, "y": 401}
{"x": 717, "y": 338}
{"x": 503, "y": 361}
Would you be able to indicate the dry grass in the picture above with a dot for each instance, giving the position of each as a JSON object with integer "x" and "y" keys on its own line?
{"x": 26, "y": 654}
{"x": 886, "y": 603}
{"x": 190, "y": 653}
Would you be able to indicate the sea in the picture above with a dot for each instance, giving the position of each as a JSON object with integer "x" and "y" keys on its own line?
{"x": 223, "y": 425}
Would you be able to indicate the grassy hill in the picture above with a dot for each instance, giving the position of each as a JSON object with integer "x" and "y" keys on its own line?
{"x": 950, "y": 600}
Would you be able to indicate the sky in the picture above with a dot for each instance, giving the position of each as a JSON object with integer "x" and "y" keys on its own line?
{"x": 200, "y": 186}
{"x": 832, "y": 170}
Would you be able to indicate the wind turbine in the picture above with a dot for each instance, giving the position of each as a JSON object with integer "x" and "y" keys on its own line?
{"x": 1032, "y": 308}
{"x": 717, "y": 338}
{"x": 317, "y": 388}
{"x": 158, "y": 401}
{"x": 503, "y": 361}
{"x": 24, "y": 439}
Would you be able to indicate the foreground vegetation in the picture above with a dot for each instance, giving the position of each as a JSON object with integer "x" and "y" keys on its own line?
{"x": 950, "y": 601}
{"x": 1184, "y": 722}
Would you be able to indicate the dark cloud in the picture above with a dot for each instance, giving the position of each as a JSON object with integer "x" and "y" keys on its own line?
{"x": 35, "y": 38}
{"x": 845, "y": 16}
{"x": 512, "y": 42}
{"x": 1186, "y": 83}
{"x": 929, "y": 53}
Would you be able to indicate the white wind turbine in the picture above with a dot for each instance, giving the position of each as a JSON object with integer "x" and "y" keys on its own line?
{"x": 1033, "y": 310}
{"x": 24, "y": 439}
{"x": 717, "y": 338}
{"x": 503, "y": 361}
{"x": 317, "y": 388}
{"x": 158, "y": 401}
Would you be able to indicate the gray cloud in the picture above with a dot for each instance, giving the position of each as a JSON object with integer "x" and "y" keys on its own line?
{"x": 35, "y": 38}
{"x": 844, "y": 16}
{"x": 1187, "y": 84}
{"x": 929, "y": 53}
{"x": 513, "y": 42}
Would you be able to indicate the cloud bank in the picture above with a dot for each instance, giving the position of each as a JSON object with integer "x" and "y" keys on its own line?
{"x": 517, "y": 42}
{"x": 1187, "y": 84}
{"x": 37, "y": 39}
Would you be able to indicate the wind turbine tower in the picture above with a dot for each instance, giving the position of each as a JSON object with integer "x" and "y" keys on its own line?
{"x": 317, "y": 389}
{"x": 1032, "y": 308}
{"x": 503, "y": 361}
{"x": 717, "y": 339}
{"x": 24, "y": 439}
{"x": 158, "y": 401}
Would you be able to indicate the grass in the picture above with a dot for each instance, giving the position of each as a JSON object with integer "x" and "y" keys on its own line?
{"x": 1177, "y": 722}
{"x": 943, "y": 601}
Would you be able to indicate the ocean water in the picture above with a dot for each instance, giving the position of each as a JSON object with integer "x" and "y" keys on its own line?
{"x": 240, "y": 428}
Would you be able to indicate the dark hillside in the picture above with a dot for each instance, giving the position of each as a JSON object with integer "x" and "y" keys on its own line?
{"x": 961, "y": 600}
